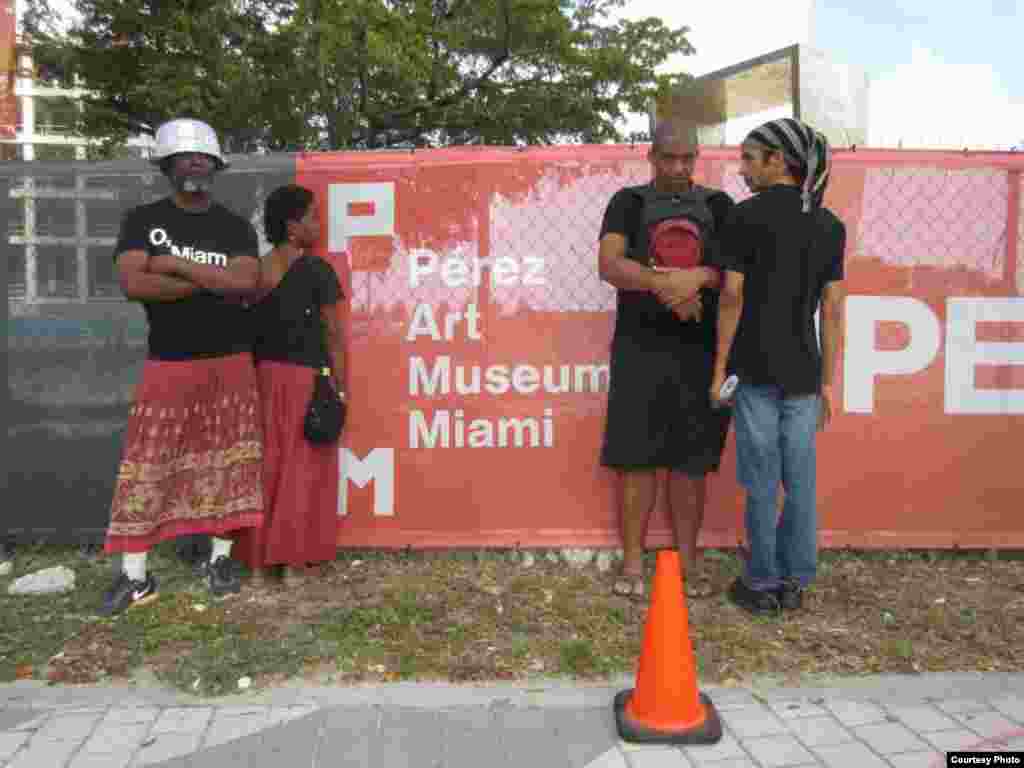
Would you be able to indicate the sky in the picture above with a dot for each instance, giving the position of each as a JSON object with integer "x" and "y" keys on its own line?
{"x": 940, "y": 75}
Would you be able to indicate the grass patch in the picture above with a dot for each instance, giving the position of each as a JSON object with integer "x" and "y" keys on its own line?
{"x": 482, "y": 615}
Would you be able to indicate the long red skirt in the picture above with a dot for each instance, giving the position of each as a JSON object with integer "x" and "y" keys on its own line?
{"x": 192, "y": 456}
{"x": 300, "y": 479}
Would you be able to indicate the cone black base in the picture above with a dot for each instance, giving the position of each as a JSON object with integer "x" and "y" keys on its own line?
{"x": 708, "y": 732}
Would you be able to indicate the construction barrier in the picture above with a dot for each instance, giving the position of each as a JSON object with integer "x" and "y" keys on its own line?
{"x": 479, "y": 330}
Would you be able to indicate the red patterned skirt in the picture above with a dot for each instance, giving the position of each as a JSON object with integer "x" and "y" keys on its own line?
{"x": 193, "y": 452}
{"x": 300, "y": 479}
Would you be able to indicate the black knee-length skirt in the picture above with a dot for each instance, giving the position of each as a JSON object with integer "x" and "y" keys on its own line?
{"x": 659, "y": 411}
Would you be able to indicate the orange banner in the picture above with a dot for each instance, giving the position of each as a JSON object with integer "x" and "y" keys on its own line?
{"x": 479, "y": 335}
{"x": 8, "y": 68}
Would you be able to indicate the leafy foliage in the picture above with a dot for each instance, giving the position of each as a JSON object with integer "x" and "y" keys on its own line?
{"x": 358, "y": 73}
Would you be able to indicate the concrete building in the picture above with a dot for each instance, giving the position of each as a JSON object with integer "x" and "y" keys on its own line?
{"x": 36, "y": 120}
{"x": 797, "y": 81}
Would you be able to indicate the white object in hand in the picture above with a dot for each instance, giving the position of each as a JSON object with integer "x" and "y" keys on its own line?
{"x": 728, "y": 387}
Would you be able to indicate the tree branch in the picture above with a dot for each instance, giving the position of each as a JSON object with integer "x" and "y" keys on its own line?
{"x": 389, "y": 120}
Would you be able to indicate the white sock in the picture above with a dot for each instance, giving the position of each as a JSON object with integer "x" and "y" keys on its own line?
{"x": 134, "y": 565}
{"x": 221, "y": 548}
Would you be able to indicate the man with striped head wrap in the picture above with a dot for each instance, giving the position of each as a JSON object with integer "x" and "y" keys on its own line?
{"x": 784, "y": 262}
{"x": 805, "y": 152}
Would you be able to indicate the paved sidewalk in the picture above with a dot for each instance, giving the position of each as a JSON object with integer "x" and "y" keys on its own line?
{"x": 880, "y": 722}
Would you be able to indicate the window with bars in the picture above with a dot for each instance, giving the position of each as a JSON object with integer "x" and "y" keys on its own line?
{"x": 61, "y": 230}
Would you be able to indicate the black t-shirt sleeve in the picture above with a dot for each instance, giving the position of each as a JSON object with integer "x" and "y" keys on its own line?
{"x": 617, "y": 214}
{"x": 132, "y": 236}
{"x": 247, "y": 241}
{"x": 737, "y": 242}
{"x": 837, "y": 251}
{"x": 721, "y": 205}
{"x": 327, "y": 287}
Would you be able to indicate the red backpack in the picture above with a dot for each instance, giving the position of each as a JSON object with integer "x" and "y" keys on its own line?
{"x": 677, "y": 225}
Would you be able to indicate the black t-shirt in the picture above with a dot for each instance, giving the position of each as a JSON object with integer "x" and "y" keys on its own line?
{"x": 640, "y": 313}
{"x": 289, "y": 328}
{"x": 204, "y": 324}
{"x": 786, "y": 257}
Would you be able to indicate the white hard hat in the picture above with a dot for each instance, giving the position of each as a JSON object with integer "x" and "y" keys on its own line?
{"x": 186, "y": 135}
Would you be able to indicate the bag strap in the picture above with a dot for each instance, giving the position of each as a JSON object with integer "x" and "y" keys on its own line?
{"x": 324, "y": 370}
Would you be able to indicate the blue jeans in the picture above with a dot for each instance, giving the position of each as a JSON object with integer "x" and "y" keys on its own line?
{"x": 775, "y": 443}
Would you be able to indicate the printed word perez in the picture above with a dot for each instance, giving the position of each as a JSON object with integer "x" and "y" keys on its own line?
{"x": 158, "y": 237}
{"x": 458, "y": 271}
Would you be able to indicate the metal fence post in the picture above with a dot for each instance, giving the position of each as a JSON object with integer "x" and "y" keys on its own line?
{"x": 1013, "y": 230}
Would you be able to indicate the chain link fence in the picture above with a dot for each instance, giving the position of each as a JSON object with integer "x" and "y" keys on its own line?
{"x": 512, "y": 232}
{"x": 905, "y": 214}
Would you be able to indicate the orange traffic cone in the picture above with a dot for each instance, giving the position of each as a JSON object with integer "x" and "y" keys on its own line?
{"x": 666, "y": 707}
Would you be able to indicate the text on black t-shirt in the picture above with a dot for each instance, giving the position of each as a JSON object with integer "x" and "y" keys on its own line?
{"x": 204, "y": 324}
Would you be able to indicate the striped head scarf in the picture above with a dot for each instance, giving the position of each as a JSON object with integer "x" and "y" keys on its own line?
{"x": 804, "y": 148}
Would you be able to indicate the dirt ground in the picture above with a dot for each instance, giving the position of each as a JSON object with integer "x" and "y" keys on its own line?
{"x": 498, "y": 615}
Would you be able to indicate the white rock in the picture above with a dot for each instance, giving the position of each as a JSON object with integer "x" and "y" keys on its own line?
{"x": 528, "y": 560}
{"x": 604, "y": 561}
{"x": 6, "y": 566}
{"x": 46, "y": 582}
{"x": 577, "y": 558}
{"x": 244, "y": 683}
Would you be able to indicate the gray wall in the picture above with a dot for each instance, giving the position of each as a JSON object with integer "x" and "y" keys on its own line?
{"x": 74, "y": 346}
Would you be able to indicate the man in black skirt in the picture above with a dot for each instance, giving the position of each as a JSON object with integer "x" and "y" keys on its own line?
{"x": 659, "y": 412}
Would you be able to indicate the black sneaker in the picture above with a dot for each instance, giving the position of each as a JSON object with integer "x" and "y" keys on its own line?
{"x": 222, "y": 577}
{"x": 755, "y": 601}
{"x": 126, "y": 593}
{"x": 791, "y": 595}
{"x": 195, "y": 550}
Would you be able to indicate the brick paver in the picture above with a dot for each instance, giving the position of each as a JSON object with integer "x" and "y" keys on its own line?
{"x": 820, "y": 731}
{"x": 778, "y": 751}
{"x": 923, "y": 718}
{"x": 826, "y": 729}
{"x": 852, "y": 713}
{"x": 889, "y": 738}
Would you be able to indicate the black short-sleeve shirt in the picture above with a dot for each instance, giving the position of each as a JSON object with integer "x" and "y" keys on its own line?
{"x": 204, "y": 324}
{"x": 639, "y": 312}
{"x": 786, "y": 257}
{"x": 289, "y": 328}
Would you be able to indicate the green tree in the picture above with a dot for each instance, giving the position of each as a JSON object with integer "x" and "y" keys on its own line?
{"x": 363, "y": 73}
{"x": 143, "y": 61}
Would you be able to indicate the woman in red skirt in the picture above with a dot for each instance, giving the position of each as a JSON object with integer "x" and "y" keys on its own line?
{"x": 297, "y": 333}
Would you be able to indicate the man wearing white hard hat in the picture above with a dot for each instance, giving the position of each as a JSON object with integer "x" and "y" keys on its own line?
{"x": 192, "y": 452}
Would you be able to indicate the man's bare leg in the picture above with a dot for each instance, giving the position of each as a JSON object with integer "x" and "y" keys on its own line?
{"x": 687, "y": 496}
{"x": 638, "y": 494}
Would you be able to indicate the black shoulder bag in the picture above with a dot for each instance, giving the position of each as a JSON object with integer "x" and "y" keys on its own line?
{"x": 325, "y": 414}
